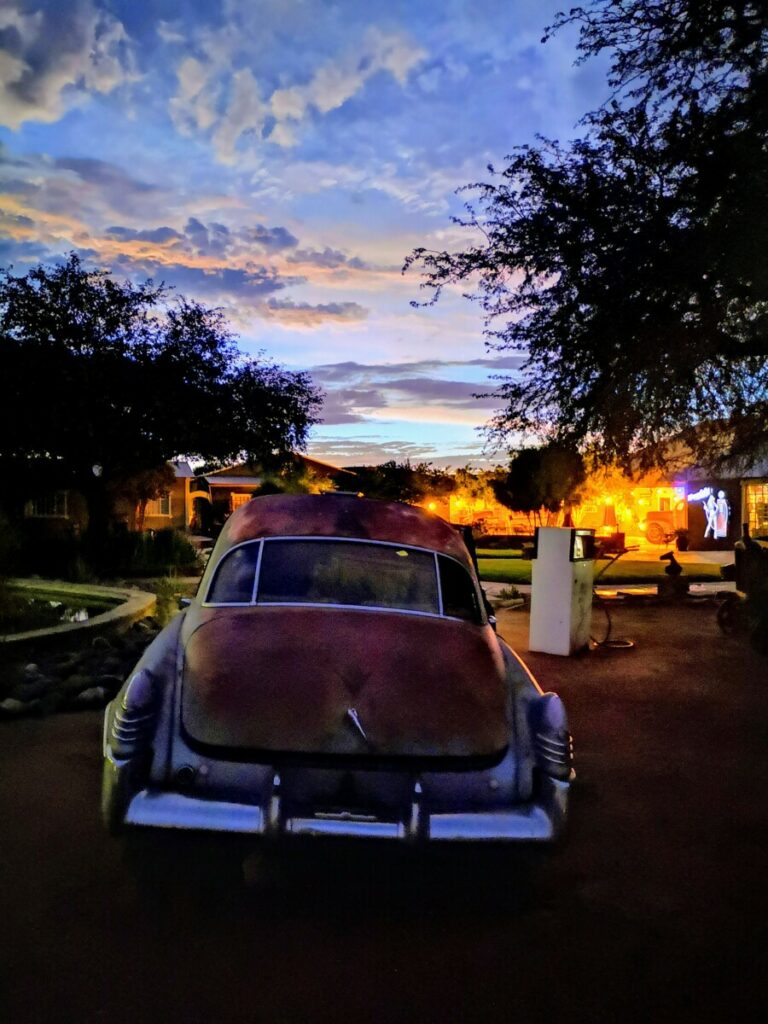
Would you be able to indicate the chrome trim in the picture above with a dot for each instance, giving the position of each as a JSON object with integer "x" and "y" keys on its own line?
{"x": 345, "y": 607}
{"x": 355, "y": 718}
{"x": 346, "y": 826}
{"x": 254, "y": 602}
{"x": 538, "y": 821}
{"x": 173, "y": 810}
{"x": 440, "y": 605}
{"x": 257, "y": 573}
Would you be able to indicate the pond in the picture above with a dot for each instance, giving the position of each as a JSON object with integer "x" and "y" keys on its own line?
{"x": 20, "y": 612}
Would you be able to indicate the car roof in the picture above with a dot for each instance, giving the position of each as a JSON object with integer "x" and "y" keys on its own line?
{"x": 344, "y": 516}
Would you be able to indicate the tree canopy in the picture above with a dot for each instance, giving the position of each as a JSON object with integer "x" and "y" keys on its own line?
{"x": 540, "y": 478}
{"x": 122, "y": 377}
{"x": 629, "y": 267}
{"x": 400, "y": 481}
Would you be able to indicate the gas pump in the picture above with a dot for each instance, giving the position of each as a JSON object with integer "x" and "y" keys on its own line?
{"x": 561, "y": 589}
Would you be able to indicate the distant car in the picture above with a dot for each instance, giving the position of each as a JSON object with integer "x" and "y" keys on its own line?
{"x": 337, "y": 674}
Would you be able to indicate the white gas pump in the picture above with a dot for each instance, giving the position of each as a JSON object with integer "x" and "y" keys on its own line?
{"x": 561, "y": 590}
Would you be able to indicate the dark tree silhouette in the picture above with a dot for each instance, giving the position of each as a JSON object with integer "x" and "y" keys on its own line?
{"x": 400, "y": 481}
{"x": 539, "y": 478}
{"x": 106, "y": 380}
{"x": 629, "y": 266}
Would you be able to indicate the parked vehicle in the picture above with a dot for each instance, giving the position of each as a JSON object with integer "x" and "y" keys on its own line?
{"x": 337, "y": 674}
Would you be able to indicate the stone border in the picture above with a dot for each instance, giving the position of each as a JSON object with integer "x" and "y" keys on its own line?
{"x": 134, "y": 605}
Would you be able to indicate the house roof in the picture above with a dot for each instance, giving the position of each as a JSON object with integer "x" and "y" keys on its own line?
{"x": 243, "y": 475}
{"x": 225, "y": 479}
{"x": 182, "y": 469}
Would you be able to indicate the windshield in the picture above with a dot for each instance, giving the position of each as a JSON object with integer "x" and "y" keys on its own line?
{"x": 337, "y": 572}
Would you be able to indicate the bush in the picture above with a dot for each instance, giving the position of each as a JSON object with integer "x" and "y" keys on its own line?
{"x": 153, "y": 553}
{"x": 10, "y": 547}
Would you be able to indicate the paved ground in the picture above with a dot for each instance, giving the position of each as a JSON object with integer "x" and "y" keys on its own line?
{"x": 654, "y": 909}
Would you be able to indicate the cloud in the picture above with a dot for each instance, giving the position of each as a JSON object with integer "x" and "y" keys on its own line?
{"x": 331, "y": 259}
{"x": 271, "y": 239}
{"x": 161, "y": 236}
{"x": 194, "y": 105}
{"x": 350, "y": 370}
{"x": 251, "y": 285}
{"x": 230, "y": 107}
{"x": 367, "y": 449}
{"x": 103, "y": 174}
{"x": 53, "y": 58}
{"x": 244, "y": 116}
{"x": 334, "y": 83}
{"x": 431, "y": 391}
{"x": 349, "y": 405}
{"x": 304, "y": 314}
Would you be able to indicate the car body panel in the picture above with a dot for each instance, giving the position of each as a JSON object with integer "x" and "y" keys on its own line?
{"x": 286, "y": 679}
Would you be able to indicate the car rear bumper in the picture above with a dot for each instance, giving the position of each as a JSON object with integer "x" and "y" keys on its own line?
{"x": 539, "y": 821}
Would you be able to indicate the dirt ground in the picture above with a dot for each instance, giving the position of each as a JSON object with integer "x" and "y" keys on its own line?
{"x": 653, "y": 909}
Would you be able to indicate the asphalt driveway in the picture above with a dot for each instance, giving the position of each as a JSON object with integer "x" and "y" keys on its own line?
{"x": 654, "y": 909}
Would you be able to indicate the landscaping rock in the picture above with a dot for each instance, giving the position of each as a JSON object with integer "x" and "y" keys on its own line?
{"x": 31, "y": 671}
{"x": 32, "y": 689}
{"x": 76, "y": 683}
{"x": 10, "y": 707}
{"x": 101, "y": 643}
{"x": 93, "y": 697}
{"x": 110, "y": 684}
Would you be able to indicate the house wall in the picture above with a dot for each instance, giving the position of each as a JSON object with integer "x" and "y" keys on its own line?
{"x": 178, "y": 518}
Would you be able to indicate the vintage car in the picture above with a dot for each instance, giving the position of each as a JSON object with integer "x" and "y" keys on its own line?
{"x": 337, "y": 674}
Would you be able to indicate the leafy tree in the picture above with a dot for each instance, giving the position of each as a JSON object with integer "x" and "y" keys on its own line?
{"x": 539, "y": 478}
{"x": 105, "y": 381}
{"x": 141, "y": 488}
{"x": 628, "y": 268}
{"x": 400, "y": 481}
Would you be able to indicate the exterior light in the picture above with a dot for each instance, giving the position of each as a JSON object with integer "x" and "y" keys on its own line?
{"x": 431, "y": 506}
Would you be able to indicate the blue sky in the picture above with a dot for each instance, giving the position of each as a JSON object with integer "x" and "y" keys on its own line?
{"x": 280, "y": 158}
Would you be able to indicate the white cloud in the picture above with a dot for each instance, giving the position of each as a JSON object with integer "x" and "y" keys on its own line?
{"x": 196, "y": 107}
{"x": 245, "y": 113}
{"x": 333, "y": 84}
{"x": 53, "y": 59}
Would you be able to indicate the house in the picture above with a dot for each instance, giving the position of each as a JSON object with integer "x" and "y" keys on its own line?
{"x": 193, "y": 502}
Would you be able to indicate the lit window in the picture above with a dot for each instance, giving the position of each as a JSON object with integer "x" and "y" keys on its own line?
{"x": 160, "y": 506}
{"x": 239, "y": 499}
{"x": 757, "y": 508}
{"x": 48, "y": 506}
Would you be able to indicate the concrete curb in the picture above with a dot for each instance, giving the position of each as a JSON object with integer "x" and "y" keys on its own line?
{"x": 134, "y": 605}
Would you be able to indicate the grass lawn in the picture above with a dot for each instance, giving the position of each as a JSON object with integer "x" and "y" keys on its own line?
{"x": 518, "y": 570}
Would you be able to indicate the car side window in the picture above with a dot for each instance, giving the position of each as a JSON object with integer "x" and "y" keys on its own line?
{"x": 234, "y": 579}
{"x": 458, "y": 591}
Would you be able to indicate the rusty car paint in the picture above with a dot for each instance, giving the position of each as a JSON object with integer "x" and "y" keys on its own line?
{"x": 286, "y": 678}
{"x": 342, "y": 516}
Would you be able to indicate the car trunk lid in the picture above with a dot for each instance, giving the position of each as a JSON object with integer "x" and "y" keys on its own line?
{"x": 329, "y": 681}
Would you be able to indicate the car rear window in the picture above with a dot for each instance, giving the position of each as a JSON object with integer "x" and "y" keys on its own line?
{"x": 342, "y": 572}
{"x": 235, "y": 577}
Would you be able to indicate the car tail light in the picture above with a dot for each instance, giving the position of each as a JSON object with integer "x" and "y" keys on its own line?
{"x": 552, "y": 741}
{"x": 134, "y": 721}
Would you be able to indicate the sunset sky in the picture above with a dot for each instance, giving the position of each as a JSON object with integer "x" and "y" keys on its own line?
{"x": 280, "y": 158}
